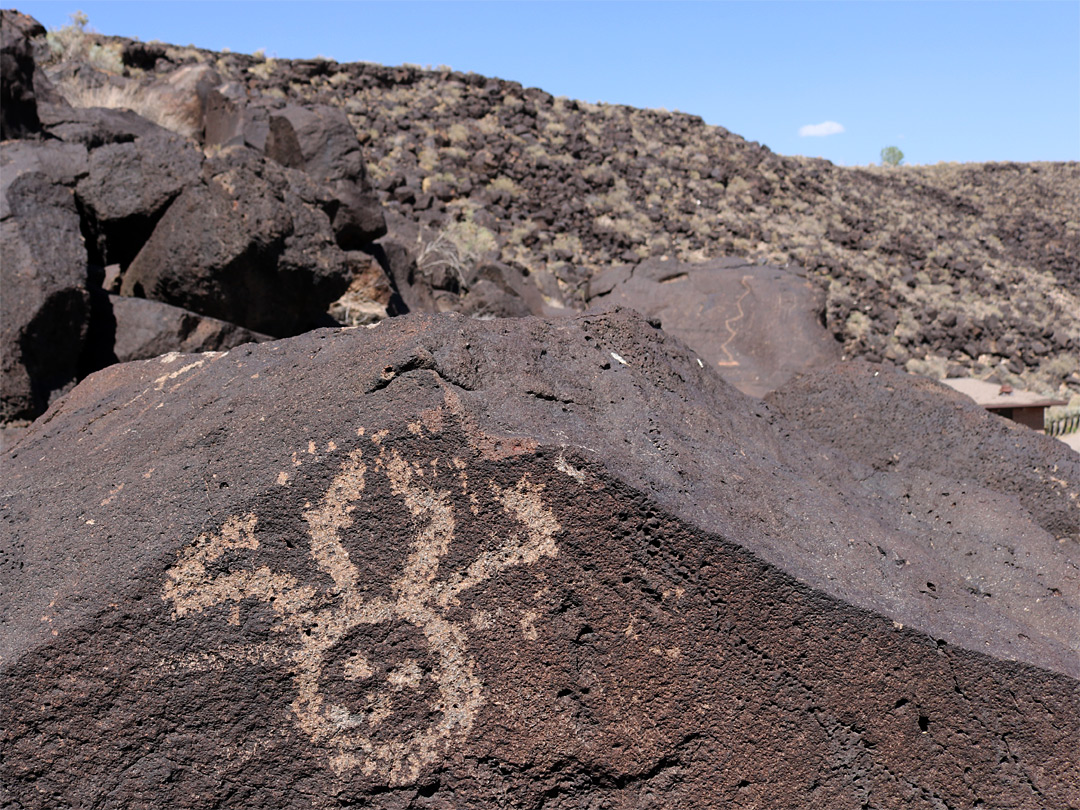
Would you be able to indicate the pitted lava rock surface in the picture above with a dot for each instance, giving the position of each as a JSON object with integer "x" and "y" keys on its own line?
{"x": 449, "y": 563}
{"x": 904, "y": 425}
{"x": 757, "y": 325}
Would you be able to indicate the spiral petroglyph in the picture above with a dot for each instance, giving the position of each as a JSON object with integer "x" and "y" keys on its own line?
{"x": 363, "y": 733}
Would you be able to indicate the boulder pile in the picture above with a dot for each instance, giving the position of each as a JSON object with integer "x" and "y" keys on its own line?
{"x": 253, "y": 232}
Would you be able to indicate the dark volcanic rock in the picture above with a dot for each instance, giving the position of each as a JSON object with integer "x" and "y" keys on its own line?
{"x": 138, "y": 329}
{"x": 94, "y": 126}
{"x": 321, "y": 140}
{"x": 45, "y": 304}
{"x": 238, "y": 237}
{"x": 18, "y": 106}
{"x": 445, "y": 563}
{"x": 903, "y": 425}
{"x": 757, "y": 325}
{"x": 272, "y": 264}
{"x": 317, "y": 139}
{"x": 130, "y": 184}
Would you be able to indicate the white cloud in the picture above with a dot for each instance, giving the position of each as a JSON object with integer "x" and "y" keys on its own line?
{"x": 819, "y": 130}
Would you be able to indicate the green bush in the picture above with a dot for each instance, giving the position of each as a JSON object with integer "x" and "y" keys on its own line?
{"x": 891, "y": 156}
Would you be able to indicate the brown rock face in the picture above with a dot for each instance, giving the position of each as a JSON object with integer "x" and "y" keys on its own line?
{"x": 18, "y": 110}
{"x": 756, "y": 325}
{"x": 44, "y": 304}
{"x": 443, "y": 563}
{"x": 904, "y": 426}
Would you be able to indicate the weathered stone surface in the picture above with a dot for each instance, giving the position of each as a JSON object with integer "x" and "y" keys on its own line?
{"x": 129, "y": 185}
{"x": 316, "y": 139}
{"x": 272, "y": 265}
{"x": 180, "y": 98}
{"x": 446, "y": 563}
{"x": 61, "y": 163}
{"x": 18, "y": 106}
{"x": 43, "y": 266}
{"x": 902, "y": 425}
{"x": 144, "y": 329}
{"x": 757, "y": 325}
{"x": 230, "y": 120}
{"x": 94, "y": 126}
{"x": 321, "y": 141}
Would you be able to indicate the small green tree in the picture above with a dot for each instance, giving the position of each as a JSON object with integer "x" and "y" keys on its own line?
{"x": 891, "y": 156}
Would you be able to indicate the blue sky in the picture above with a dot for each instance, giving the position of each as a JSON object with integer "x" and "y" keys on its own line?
{"x": 943, "y": 81}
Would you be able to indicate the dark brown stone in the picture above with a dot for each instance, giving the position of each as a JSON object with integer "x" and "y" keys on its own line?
{"x": 43, "y": 264}
{"x": 316, "y": 139}
{"x": 147, "y": 329}
{"x": 446, "y": 563}
{"x": 905, "y": 426}
{"x": 757, "y": 325}
{"x": 18, "y": 105}
{"x": 129, "y": 185}
{"x": 264, "y": 256}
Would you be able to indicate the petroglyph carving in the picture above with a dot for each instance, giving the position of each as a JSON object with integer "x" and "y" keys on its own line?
{"x": 364, "y": 734}
{"x": 729, "y": 325}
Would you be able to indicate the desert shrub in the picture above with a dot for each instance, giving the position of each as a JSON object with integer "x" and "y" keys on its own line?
{"x": 439, "y": 177}
{"x": 505, "y": 184}
{"x": 76, "y": 42}
{"x": 521, "y": 234}
{"x": 458, "y": 134}
{"x": 455, "y": 250}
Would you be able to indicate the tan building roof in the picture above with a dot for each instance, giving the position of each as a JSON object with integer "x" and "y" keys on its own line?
{"x": 995, "y": 395}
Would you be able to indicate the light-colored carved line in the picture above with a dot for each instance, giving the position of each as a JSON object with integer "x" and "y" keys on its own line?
{"x": 523, "y": 503}
{"x": 417, "y": 600}
{"x": 333, "y": 515}
{"x": 189, "y": 587}
{"x": 731, "y": 361}
{"x": 432, "y": 541}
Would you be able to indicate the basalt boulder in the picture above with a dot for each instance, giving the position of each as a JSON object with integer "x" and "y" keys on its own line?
{"x": 18, "y": 104}
{"x": 128, "y": 187}
{"x": 758, "y": 325}
{"x": 519, "y": 563}
{"x": 317, "y": 139}
{"x": 321, "y": 140}
{"x": 874, "y": 414}
{"x": 273, "y": 264}
{"x": 126, "y": 329}
{"x": 43, "y": 266}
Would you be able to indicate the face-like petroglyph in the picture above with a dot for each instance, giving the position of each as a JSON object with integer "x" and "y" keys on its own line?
{"x": 333, "y": 636}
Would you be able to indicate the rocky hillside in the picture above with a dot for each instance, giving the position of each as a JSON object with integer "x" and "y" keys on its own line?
{"x": 948, "y": 268}
{"x": 977, "y": 264}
